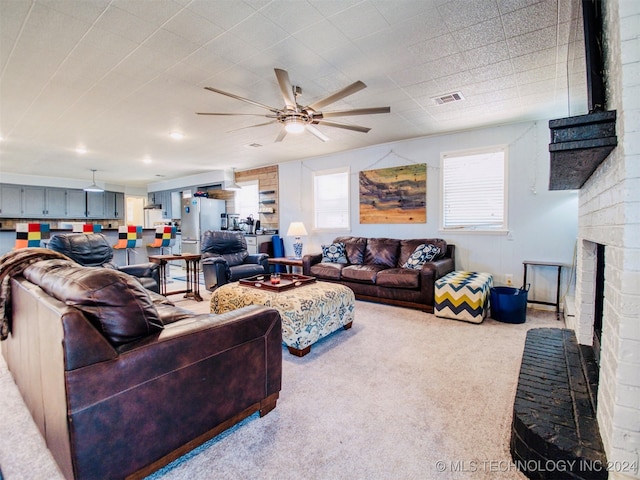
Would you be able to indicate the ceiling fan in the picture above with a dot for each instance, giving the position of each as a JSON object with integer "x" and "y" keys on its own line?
{"x": 296, "y": 118}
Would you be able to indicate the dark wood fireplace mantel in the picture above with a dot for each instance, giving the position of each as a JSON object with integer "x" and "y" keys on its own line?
{"x": 578, "y": 145}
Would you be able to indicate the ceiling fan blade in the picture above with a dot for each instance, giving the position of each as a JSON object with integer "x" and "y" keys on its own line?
{"x": 231, "y": 114}
{"x": 286, "y": 88}
{"x": 340, "y": 94}
{"x": 317, "y": 133}
{"x": 251, "y": 126}
{"x": 355, "y": 128}
{"x": 281, "y": 135}
{"x": 357, "y": 111}
{"x": 237, "y": 97}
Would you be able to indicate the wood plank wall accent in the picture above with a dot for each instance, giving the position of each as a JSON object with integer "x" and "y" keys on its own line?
{"x": 267, "y": 181}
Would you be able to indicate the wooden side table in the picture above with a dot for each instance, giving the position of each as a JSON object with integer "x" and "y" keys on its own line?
{"x": 288, "y": 262}
{"x": 192, "y": 262}
{"x": 530, "y": 263}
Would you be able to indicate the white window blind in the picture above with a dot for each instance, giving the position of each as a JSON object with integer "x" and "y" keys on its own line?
{"x": 474, "y": 190}
{"x": 331, "y": 199}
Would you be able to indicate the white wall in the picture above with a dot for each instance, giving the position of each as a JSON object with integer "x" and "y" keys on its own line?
{"x": 542, "y": 223}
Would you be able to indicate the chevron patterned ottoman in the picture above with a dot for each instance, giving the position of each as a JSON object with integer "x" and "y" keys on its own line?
{"x": 463, "y": 296}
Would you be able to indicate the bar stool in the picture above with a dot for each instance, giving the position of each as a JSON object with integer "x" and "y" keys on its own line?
{"x": 87, "y": 228}
{"x": 29, "y": 235}
{"x": 129, "y": 238}
{"x": 165, "y": 239}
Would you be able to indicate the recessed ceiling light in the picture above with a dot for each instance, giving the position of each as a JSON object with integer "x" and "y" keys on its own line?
{"x": 147, "y": 160}
{"x": 81, "y": 150}
{"x": 176, "y": 135}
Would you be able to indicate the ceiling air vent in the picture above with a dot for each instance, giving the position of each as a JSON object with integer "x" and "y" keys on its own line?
{"x": 254, "y": 145}
{"x": 448, "y": 98}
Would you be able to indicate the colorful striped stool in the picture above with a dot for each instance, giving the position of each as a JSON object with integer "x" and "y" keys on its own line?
{"x": 87, "y": 228}
{"x": 463, "y": 296}
{"x": 129, "y": 238}
{"x": 31, "y": 234}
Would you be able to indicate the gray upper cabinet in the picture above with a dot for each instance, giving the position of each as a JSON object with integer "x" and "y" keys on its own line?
{"x": 114, "y": 205}
{"x": 10, "y": 200}
{"x": 96, "y": 204}
{"x": 163, "y": 198}
{"x": 56, "y": 202}
{"x": 42, "y": 202}
{"x": 33, "y": 202}
{"x": 76, "y": 206}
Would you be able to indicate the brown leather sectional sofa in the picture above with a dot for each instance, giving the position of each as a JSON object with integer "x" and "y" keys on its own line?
{"x": 374, "y": 270}
{"x": 119, "y": 381}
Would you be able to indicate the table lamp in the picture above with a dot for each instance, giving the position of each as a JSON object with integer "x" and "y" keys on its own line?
{"x": 297, "y": 230}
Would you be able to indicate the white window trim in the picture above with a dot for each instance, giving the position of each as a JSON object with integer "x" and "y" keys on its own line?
{"x": 479, "y": 229}
{"x": 331, "y": 171}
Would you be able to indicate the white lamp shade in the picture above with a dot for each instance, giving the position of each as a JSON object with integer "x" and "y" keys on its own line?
{"x": 296, "y": 229}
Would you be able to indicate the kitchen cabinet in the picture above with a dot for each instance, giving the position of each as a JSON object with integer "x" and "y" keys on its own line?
{"x": 119, "y": 213}
{"x": 76, "y": 204}
{"x": 95, "y": 204}
{"x": 55, "y": 202}
{"x": 164, "y": 199}
{"x": 33, "y": 202}
{"x": 10, "y": 200}
{"x": 114, "y": 205}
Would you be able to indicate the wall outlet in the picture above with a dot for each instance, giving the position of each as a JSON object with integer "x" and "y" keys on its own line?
{"x": 509, "y": 279}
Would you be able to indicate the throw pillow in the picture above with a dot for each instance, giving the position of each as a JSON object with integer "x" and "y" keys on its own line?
{"x": 334, "y": 253}
{"x": 422, "y": 254}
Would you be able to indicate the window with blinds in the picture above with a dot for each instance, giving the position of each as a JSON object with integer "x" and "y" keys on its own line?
{"x": 474, "y": 189}
{"x": 331, "y": 199}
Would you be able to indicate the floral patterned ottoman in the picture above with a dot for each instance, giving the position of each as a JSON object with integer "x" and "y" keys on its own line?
{"x": 309, "y": 312}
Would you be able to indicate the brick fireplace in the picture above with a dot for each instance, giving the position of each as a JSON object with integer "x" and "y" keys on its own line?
{"x": 609, "y": 222}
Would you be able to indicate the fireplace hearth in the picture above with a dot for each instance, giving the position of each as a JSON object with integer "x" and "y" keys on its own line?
{"x": 554, "y": 432}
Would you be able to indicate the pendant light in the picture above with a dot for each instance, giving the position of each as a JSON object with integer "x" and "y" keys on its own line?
{"x": 93, "y": 187}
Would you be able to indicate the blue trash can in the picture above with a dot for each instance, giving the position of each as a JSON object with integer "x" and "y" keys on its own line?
{"x": 509, "y": 304}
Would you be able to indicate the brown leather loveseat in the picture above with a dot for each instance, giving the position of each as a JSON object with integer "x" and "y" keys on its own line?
{"x": 375, "y": 269}
{"x": 120, "y": 381}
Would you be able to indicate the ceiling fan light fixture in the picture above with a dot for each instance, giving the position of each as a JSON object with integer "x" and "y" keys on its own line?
{"x": 93, "y": 187}
{"x": 293, "y": 125}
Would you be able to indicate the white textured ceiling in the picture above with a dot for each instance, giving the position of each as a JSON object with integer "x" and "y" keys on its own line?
{"x": 118, "y": 76}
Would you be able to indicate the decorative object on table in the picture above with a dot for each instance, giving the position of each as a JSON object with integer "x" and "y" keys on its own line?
{"x": 283, "y": 281}
{"x": 87, "y": 228}
{"x": 297, "y": 230}
{"x": 31, "y": 234}
{"x": 394, "y": 195}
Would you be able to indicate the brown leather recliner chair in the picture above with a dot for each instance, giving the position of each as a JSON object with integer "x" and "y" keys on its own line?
{"x": 225, "y": 258}
{"x": 94, "y": 250}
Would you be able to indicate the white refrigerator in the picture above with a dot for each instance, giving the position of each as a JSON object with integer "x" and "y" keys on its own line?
{"x": 197, "y": 215}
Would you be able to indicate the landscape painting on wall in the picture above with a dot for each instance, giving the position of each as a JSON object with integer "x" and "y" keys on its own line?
{"x": 394, "y": 195}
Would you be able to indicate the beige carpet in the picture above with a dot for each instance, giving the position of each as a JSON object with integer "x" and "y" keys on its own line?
{"x": 402, "y": 395}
